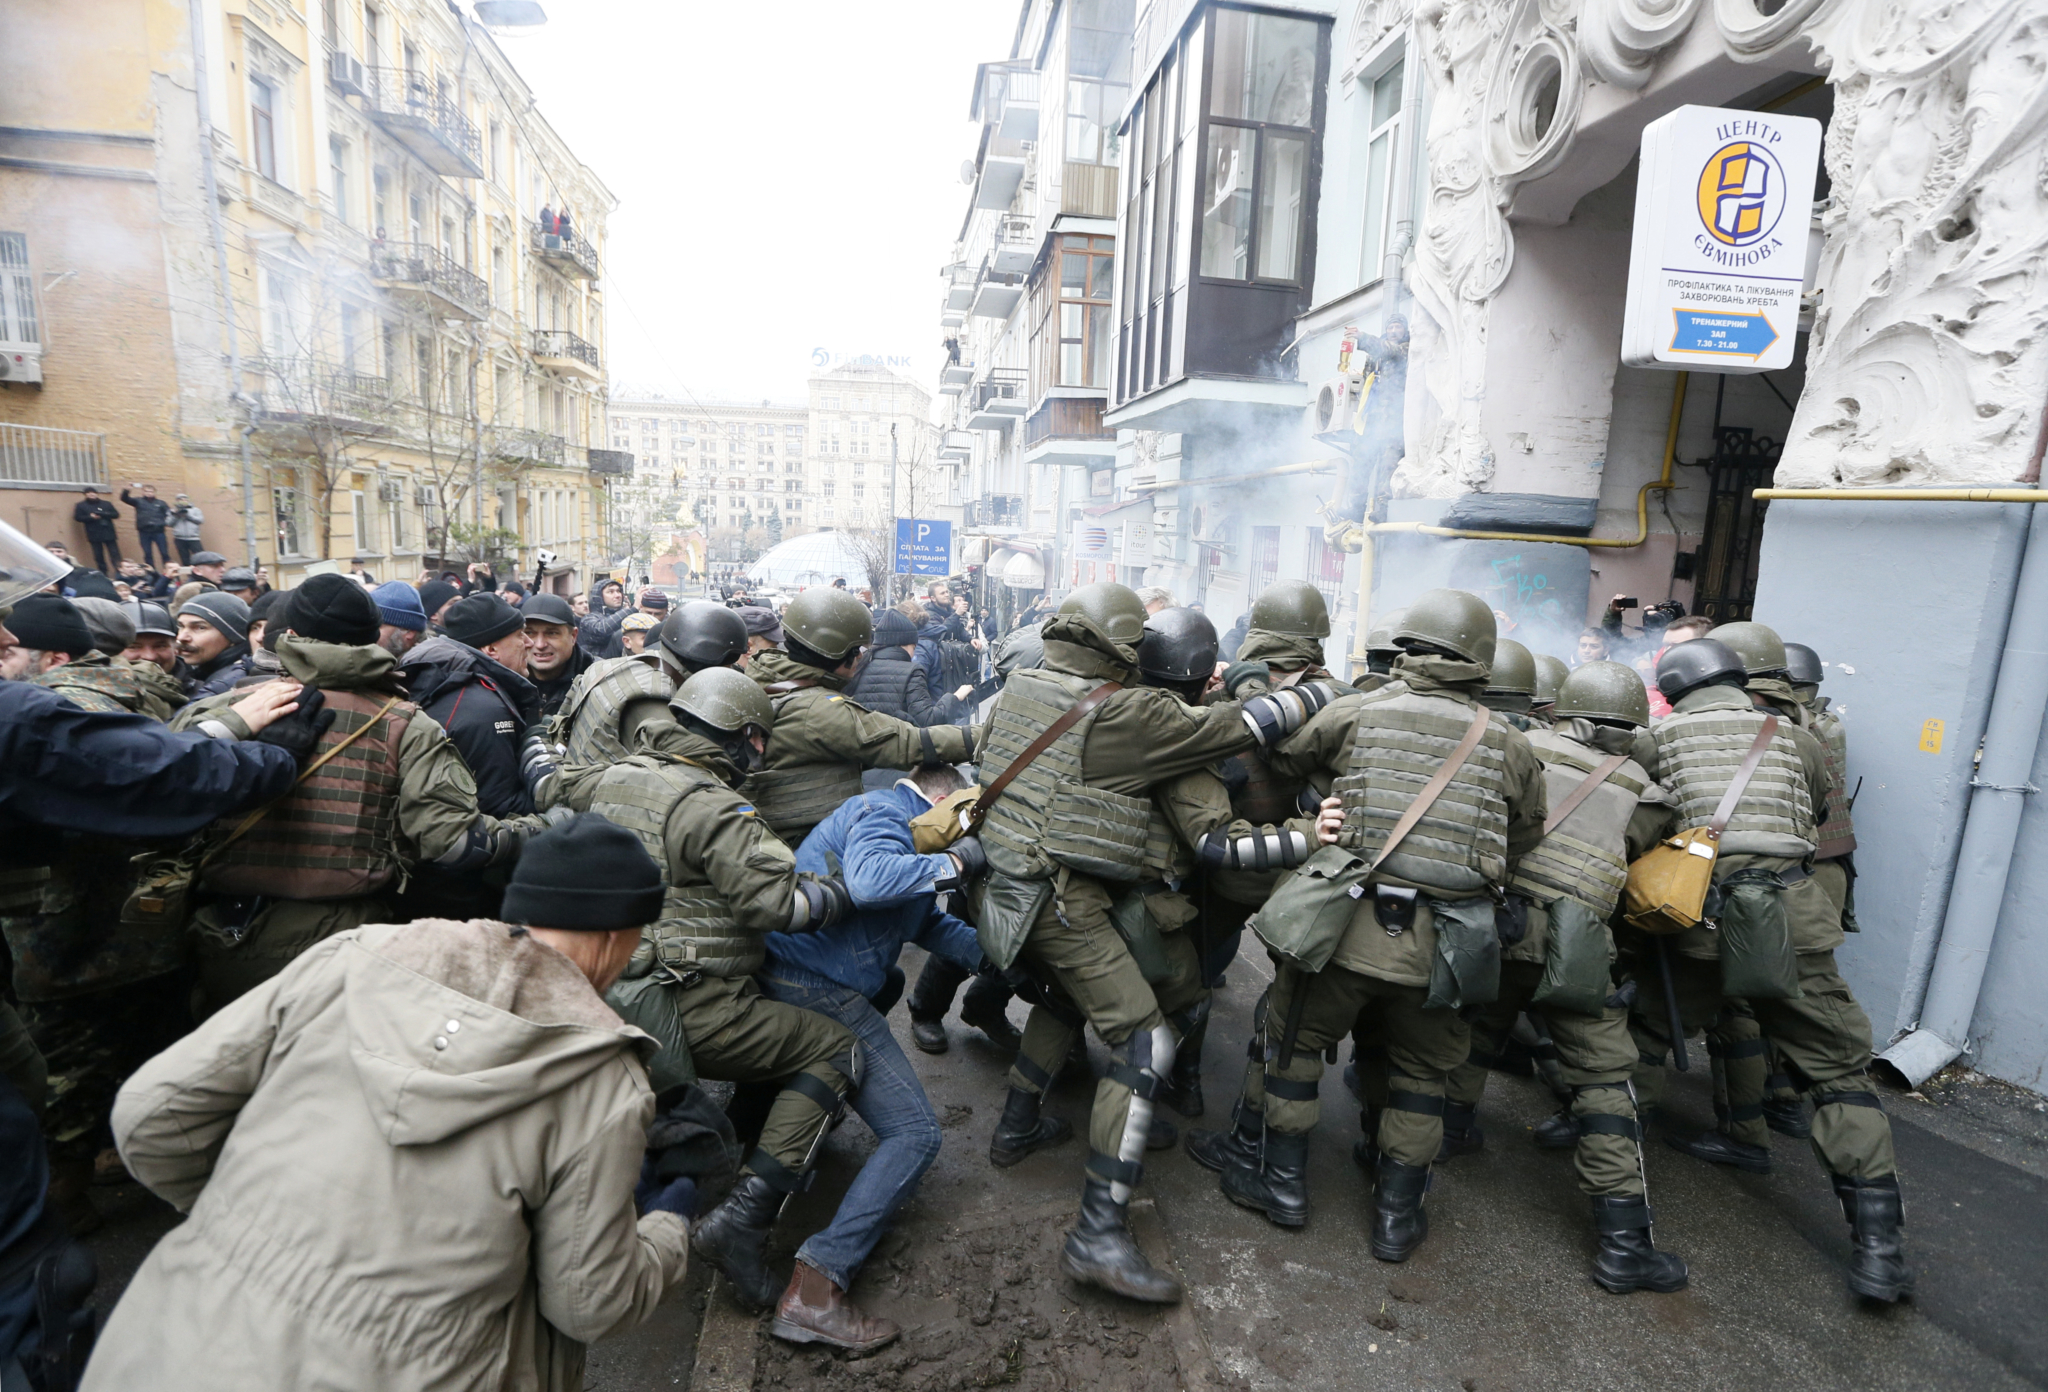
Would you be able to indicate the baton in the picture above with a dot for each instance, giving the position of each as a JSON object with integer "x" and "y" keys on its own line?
{"x": 1671, "y": 1008}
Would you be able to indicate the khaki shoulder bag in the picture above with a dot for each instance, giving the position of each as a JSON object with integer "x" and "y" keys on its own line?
{"x": 1667, "y": 886}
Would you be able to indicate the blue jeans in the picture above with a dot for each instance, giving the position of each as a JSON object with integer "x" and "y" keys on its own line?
{"x": 892, "y": 1102}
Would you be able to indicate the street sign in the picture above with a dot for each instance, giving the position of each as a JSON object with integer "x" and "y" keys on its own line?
{"x": 1718, "y": 258}
{"x": 924, "y": 546}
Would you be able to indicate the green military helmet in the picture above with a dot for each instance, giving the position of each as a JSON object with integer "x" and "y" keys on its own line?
{"x": 1550, "y": 675}
{"x": 831, "y": 623}
{"x": 1457, "y": 621}
{"x": 1604, "y": 691}
{"x": 1115, "y": 609}
{"x": 1292, "y": 606}
{"x": 725, "y": 700}
{"x": 1514, "y": 669}
{"x": 1380, "y": 637}
{"x": 1803, "y": 665}
{"x": 1761, "y": 649}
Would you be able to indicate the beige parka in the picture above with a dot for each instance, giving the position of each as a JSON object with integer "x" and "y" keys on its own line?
{"x": 408, "y": 1162}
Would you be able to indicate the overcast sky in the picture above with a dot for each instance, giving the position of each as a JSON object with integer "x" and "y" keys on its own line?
{"x": 788, "y": 175}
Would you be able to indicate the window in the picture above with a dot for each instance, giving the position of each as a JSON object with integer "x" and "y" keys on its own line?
{"x": 735, "y": 447}
{"x": 423, "y": 370}
{"x": 827, "y": 487}
{"x": 415, "y": 217}
{"x": 497, "y": 152}
{"x": 498, "y": 275}
{"x": 764, "y": 430}
{"x": 1263, "y": 72}
{"x": 794, "y": 432}
{"x": 17, "y": 291}
{"x": 831, "y": 403}
{"x": 401, "y": 526}
{"x": 793, "y": 485}
{"x": 330, "y": 23}
{"x": 860, "y": 490}
{"x": 860, "y": 471}
{"x": 380, "y": 185}
{"x": 285, "y": 503}
{"x": 373, "y": 36}
{"x": 348, "y": 316}
{"x": 1092, "y": 111}
{"x": 263, "y": 127}
{"x": 337, "y": 171}
{"x": 359, "y": 514}
{"x": 1382, "y": 113}
{"x": 1073, "y": 334}
{"x": 764, "y": 449}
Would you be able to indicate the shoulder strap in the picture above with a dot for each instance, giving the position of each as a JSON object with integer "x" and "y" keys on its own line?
{"x": 1435, "y": 787}
{"x": 311, "y": 769}
{"x": 1077, "y": 712}
{"x": 1742, "y": 776}
{"x": 1582, "y": 792}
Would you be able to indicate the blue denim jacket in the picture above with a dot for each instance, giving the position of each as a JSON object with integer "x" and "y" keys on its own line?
{"x": 866, "y": 841}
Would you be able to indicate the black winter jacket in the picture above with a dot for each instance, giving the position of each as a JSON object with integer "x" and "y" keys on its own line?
{"x": 485, "y": 707}
{"x": 556, "y": 690}
{"x": 150, "y": 513}
{"x": 894, "y": 685}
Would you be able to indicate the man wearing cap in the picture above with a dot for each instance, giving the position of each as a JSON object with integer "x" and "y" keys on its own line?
{"x": 436, "y": 596}
{"x": 94, "y": 677}
{"x": 404, "y": 618}
{"x": 240, "y": 581}
{"x": 409, "y": 1160}
{"x": 553, "y": 660}
{"x": 764, "y": 629}
{"x": 213, "y": 642}
{"x": 210, "y": 567}
{"x": 155, "y": 642}
{"x": 323, "y": 860}
{"x": 471, "y": 680}
{"x": 634, "y": 631}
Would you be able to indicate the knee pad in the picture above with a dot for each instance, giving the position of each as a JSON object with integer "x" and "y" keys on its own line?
{"x": 852, "y": 1062}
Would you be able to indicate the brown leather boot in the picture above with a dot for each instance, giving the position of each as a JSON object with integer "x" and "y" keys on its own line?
{"x": 814, "y": 1311}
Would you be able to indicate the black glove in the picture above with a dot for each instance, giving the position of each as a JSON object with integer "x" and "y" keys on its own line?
{"x": 973, "y": 859}
{"x": 299, "y": 733}
{"x": 821, "y": 901}
{"x": 538, "y": 760}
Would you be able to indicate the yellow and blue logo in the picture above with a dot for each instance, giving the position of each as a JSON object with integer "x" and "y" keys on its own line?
{"x": 1741, "y": 193}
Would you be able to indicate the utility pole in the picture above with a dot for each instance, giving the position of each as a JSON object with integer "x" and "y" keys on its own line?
{"x": 890, "y": 535}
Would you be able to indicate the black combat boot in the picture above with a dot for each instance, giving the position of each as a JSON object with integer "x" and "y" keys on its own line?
{"x": 1718, "y": 1149}
{"x": 1787, "y": 1117}
{"x": 1101, "y": 1252}
{"x": 1399, "y": 1221}
{"x": 929, "y": 1035}
{"x": 1161, "y": 1134}
{"x": 1228, "y": 1150}
{"x": 1183, "y": 1089}
{"x": 1559, "y": 1131}
{"x": 1365, "y": 1152}
{"x": 1022, "y": 1130}
{"x": 1278, "y": 1186}
{"x": 734, "y": 1238}
{"x": 1876, "y": 1211}
{"x": 1626, "y": 1261}
{"x": 985, "y": 1009}
{"x": 1462, "y": 1135}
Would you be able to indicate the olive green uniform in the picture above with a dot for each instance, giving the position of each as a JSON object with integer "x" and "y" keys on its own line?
{"x": 1135, "y": 741}
{"x": 730, "y": 882}
{"x": 243, "y": 942}
{"x": 1381, "y": 748}
{"x": 599, "y": 717}
{"x": 1582, "y": 862}
{"x": 1823, "y": 1035}
{"x": 822, "y": 742}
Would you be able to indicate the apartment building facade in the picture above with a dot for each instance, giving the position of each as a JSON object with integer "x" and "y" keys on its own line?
{"x": 365, "y": 349}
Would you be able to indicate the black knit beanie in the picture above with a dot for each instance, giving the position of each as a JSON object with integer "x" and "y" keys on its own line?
{"x": 434, "y": 596}
{"x": 51, "y": 623}
{"x": 481, "y": 619}
{"x": 588, "y": 875}
{"x": 335, "y": 609}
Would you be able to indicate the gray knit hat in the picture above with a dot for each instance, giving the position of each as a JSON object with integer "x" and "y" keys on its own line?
{"x": 223, "y": 611}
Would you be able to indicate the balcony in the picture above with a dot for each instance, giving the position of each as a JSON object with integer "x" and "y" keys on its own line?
{"x": 1016, "y": 244}
{"x": 1088, "y": 190}
{"x": 567, "y": 253}
{"x": 1018, "y": 116}
{"x": 996, "y": 510}
{"x": 535, "y": 447}
{"x": 563, "y": 351}
{"x": 36, "y": 456}
{"x": 956, "y": 446}
{"x": 433, "y": 277}
{"x": 305, "y": 393}
{"x": 954, "y": 377}
{"x": 1069, "y": 430}
{"x": 997, "y": 400}
{"x": 617, "y": 463}
{"x": 959, "y": 295}
{"x": 996, "y": 296}
{"x": 421, "y": 115}
{"x": 1001, "y": 175}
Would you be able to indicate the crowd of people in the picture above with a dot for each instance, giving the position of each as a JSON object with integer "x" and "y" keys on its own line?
{"x": 522, "y": 873}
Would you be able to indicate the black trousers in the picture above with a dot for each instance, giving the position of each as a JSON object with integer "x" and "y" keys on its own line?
{"x": 106, "y": 556}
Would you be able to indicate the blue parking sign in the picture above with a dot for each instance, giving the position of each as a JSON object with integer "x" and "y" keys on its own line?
{"x": 924, "y": 546}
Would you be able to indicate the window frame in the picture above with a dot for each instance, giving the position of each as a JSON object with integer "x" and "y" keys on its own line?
{"x": 263, "y": 95}
{"x": 18, "y": 294}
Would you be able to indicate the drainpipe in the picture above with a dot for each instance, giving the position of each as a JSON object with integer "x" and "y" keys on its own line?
{"x": 1403, "y": 186}
{"x": 1991, "y": 829}
{"x": 195, "y": 12}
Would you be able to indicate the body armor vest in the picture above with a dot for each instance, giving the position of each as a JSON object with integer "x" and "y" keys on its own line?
{"x": 1586, "y": 857}
{"x": 1048, "y": 815}
{"x": 94, "y": 684}
{"x": 1697, "y": 755}
{"x": 332, "y": 836}
{"x": 588, "y": 723}
{"x": 1837, "y": 834}
{"x": 696, "y": 933}
{"x": 1460, "y": 845}
{"x": 792, "y": 800}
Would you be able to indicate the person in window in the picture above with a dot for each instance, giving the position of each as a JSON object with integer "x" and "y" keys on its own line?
{"x": 97, "y": 516}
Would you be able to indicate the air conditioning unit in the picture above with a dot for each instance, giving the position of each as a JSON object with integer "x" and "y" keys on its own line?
{"x": 346, "y": 73}
{"x": 21, "y": 367}
{"x": 426, "y": 495}
{"x": 1335, "y": 409}
{"x": 389, "y": 490}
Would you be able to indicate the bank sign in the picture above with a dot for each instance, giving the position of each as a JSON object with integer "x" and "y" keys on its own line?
{"x": 1723, "y": 211}
{"x": 924, "y": 546}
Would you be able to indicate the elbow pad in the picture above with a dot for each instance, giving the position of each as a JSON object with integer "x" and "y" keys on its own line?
{"x": 1273, "y": 848}
{"x": 480, "y": 846}
{"x": 539, "y": 762}
{"x": 820, "y": 903}
{"x": 1274, "y": 716}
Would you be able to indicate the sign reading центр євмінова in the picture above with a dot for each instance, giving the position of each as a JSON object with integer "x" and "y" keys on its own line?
{"x": 1724, "y": 202}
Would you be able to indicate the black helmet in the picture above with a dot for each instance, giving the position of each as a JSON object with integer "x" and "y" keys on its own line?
{"x": 1691, "y": 665}
{"x": 1604, "y": 691}
{"x": 1291, "y": 606}
{"x": 1113, "y": 608}
{"x": 154, "y": 618}
{"x": 1803, "y": 665}
{"x": 1514, "y": 669}
{"x": 831, "y": 623}
{"x": 1179, "y": 645}
{"x": 701, "y": 634}
{"x": 1457, "y": 621}
{"x": 1758, "y": 645}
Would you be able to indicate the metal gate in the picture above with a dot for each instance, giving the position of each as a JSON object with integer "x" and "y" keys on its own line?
{"x": 1724, "y": 588}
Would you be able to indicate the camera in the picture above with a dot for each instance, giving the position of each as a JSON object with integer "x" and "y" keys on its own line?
{"x": 1661, "y": 616}
{"x": 546, "y": 558}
